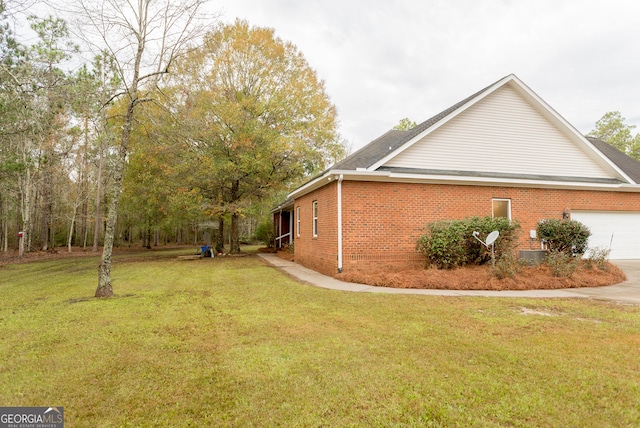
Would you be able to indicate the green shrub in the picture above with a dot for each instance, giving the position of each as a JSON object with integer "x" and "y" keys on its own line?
{"x": 598, "y": 256}
{"x": 505, "y": 245}
{"x": 506, "y": 265}
{"x": 444, "y": 244}
{"x": 562, "y": 263}
{"x": 567, "y": 236}
{"x": 450, "y": 243}
{"x": 265, "y": 233}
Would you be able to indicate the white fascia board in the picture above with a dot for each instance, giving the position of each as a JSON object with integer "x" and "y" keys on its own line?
{"x": 395, "y": 177}
{"x": 440, "y": 123}
{"x": 310, "y": 185}
{"x": 333, "y": 175}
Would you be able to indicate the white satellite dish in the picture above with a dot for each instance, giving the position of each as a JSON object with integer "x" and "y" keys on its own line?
{"x": 492, "y": 237}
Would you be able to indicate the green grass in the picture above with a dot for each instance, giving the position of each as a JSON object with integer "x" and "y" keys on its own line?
{"x": 233, "y": 342}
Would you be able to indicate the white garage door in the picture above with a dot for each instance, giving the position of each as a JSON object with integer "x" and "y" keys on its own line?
{"x": 620, "y": 230}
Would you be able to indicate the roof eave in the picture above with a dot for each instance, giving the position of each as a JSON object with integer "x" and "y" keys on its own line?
{"x": 398, "y": 177}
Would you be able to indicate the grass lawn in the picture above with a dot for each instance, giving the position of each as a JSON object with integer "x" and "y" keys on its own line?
{"x": 233, "y": 342}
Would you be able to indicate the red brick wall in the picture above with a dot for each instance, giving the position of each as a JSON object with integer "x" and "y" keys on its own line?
{"x": 382, "y": 221}
{"x": 318, "y": 253}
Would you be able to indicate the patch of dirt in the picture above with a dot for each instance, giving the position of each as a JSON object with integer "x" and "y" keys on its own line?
{"x": 481, "y": 278}
{"x": 528, "y": 311}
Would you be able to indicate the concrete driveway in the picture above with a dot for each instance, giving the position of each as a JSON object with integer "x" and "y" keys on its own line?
{"x": 627, "y": 292}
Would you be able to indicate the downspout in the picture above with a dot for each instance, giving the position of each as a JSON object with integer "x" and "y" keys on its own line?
{"x": 340, "y": 223}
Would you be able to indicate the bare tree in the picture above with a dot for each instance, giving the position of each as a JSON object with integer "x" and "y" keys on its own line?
{"x": 144, "y": 37}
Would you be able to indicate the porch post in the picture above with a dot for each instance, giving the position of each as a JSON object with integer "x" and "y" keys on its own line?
{"x": 279, "y": 244}
{"x": 292, "y": 214}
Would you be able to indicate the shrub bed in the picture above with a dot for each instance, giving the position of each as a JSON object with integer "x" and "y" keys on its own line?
{"x": 482, "y": 278}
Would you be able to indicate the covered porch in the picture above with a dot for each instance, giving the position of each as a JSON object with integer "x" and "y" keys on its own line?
{"x": 283, "y": 221}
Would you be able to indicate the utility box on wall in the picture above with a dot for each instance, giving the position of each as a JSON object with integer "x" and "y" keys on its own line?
{"x": 533, "y": 257}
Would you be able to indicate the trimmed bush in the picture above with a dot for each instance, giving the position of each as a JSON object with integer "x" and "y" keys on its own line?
{"x": 566, "y": 236}
{"x": 449, "y": 243}
{"x": 444, "y": 244}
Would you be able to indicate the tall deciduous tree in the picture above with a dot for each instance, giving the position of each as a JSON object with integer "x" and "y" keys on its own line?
{"x": 258, "y": 114}
{"x": 144, "y": 37}
{"x": 612, "y": 128}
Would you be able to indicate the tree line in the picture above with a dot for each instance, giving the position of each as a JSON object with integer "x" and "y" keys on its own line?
{"x": 178, "y": 124}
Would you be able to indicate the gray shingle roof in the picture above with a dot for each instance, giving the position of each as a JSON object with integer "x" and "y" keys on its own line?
{"x": 627, "y": 164}
{"x": 372, "y": 152}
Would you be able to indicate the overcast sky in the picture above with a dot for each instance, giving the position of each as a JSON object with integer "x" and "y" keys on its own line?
{"x": 385, "y": 60}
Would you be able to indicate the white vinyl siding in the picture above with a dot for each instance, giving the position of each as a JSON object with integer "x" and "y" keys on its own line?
{"x": 502, "y": 133}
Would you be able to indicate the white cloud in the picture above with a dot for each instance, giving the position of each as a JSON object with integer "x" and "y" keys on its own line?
{"x": 383, "y": 61}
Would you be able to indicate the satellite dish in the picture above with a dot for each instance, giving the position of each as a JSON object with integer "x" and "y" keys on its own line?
{"x": 492, "y": 237}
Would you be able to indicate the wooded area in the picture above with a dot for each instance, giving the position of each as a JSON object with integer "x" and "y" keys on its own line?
{"x": 179, "y": 128}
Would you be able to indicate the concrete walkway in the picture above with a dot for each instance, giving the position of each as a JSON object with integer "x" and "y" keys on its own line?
{"x": 625, "y": 292}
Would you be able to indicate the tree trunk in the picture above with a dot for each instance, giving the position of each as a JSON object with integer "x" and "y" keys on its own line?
{"x": 147, "y": 236}
{"x": 83, "y": 225}
{"x": 71, "y": 226}
{"x": 96, "y": 229}
{"x": 4, "y": 209}
{"x": 220, "y": 236}
{"x": 25, "y": 205}
{"x": 84, "y": 185}
{"x": 46, "y": 209}
{"x": 105, "y": 288}
{"x": 235, "y": 237}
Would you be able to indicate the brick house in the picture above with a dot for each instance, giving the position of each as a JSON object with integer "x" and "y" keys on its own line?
{"x": 503, "y": 152}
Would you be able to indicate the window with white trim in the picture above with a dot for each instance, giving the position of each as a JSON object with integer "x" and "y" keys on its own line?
{"x": 501, "y": 208}
{"x": 315, "y": 218}
{"x": 297, "y": 221}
